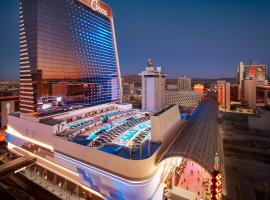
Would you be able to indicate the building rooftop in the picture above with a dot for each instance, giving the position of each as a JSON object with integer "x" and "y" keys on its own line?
{"x": 113, "y": 130}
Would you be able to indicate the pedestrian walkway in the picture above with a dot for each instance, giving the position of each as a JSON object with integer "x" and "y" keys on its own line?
{"x": 195, "y": 179}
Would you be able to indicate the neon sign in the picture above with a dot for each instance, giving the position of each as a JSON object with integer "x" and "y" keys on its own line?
{"x": 96, "y": 7}
{"x": 216, "y": 188}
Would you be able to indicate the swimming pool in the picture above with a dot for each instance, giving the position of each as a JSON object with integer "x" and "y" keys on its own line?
{"x": 121, "y": 121}
{"x": 130, "y": 133}
{"x": 77, "y": 123}
{"x": 94, "y": 134}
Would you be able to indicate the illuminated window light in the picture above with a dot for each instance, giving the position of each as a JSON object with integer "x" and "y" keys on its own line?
{"x": 13, "y": 132}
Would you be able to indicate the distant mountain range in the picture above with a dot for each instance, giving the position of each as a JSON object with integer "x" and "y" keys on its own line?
{"x": 135, "y": 78}
{"x": 4, "y": 82}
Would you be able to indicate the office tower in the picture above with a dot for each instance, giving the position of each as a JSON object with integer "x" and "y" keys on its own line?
{"x": 234, "y": 92}
{"x": 68, "y": 55}
{"x": 199, "y": 88}
{"x": 153, "y": 88}
{"x": 223, "y": 94}
{"x": 249, "y": 91}
{"x": 184, "y": 83}
{"x": 240, "y": 78}
{"x": 251, "y": 71}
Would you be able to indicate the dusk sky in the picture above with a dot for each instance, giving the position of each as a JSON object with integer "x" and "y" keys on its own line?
{"x": 205, "y": 39}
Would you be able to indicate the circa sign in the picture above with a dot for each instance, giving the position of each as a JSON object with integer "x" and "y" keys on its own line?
{"x": 96, "y": 6}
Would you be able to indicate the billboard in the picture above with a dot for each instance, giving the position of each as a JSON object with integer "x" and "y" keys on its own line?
{"x": 259, "y": 72}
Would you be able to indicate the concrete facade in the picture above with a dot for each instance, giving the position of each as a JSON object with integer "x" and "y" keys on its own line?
{"x": 153, "y": 88}
{"x": 184, "y": 83}
{"x": 7, "y": 105}
{"x": 249, "y": 92}
{"x": 164, "y": 122}
{"x": 223, "y": 94}
{"x": 183, "y": 98}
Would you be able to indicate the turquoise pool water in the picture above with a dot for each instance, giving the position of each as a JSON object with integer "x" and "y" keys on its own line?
{"x": 93, "y": 134}
{"x": 129, "y": 134}
{"x": 121, "y": 121}
{"x": 143, "y": 126}
{"x": 76, "y": 123}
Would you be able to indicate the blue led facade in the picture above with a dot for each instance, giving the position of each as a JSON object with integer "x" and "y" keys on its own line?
{"x": 73, "y": 58}
{"x": 93, "y": 38}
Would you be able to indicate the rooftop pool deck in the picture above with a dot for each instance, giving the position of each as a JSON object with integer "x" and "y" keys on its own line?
{"x": 118, "y": 145}
{"x": 94, "y": 134}
{"x": 77, "y": 123}
{"x": 132, "y": 132}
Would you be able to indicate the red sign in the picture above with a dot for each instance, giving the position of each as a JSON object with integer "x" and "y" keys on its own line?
{"x": 2, "y": 136}
{"x": 98, "y": 6}
{"x": 216, "y": 186}
{"x": 252, "y": 71}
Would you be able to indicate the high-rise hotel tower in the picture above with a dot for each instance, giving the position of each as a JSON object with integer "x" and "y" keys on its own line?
{"x": 153, "y": 88}
{"x": 68, "y": 55}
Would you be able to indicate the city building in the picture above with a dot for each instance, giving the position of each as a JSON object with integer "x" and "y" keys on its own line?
{"x": 71, "y": 119}
{"x": 115, "y": 152}
{"x": 83, "y": 139}
{"x": 183, "y": 98}
{"x": 249, "y": 92}
{"x": 68, "y": 58}
{"x": 261, "y": 121}
{"x": 243, "y": 136}
{"x": 224, "y": 94}
{"x": 153, "y": 88}
{"x": 8, "y": 104}
{"x": 171, "y": 87}
{"x": 234, "y": 92}
{"x": 263, "y": 95}
{"x": 184, "y": 83}
{"x": 9, "y": 88}
{"x": 251, "y": 71}
{"x": 199, "y": 88}
{"x": 128, "y": 91}
{"x": 132, "y": 88}
{"x": 240, "y": 78}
